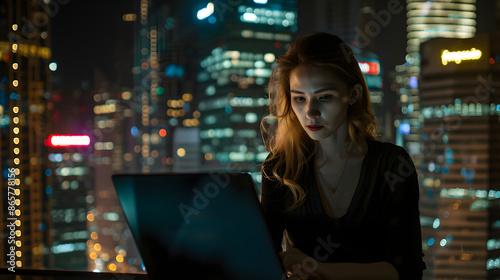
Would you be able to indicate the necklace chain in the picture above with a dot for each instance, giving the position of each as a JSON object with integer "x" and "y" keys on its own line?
{"x": 333, "y": 189}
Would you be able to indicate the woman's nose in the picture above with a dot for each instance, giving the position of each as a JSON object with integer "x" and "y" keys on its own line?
{"x": 312, "y": 112}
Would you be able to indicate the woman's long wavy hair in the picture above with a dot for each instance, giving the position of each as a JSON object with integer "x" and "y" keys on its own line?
{"x": 289, "y": 145}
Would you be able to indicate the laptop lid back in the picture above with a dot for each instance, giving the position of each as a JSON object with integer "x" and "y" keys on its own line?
{"x": 200, "y": 225}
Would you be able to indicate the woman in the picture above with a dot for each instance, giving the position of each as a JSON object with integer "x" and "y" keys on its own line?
{"x": 345, "y": 204}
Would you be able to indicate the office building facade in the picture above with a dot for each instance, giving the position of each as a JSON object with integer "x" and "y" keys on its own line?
{"x": 24, "y": 86}
{"x": 459, "y": 80}
{"x": 237, "y": 50}
{"x": 425, "y": 20}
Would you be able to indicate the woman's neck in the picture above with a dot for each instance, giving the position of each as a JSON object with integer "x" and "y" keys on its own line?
{"x": 333, "y": 148}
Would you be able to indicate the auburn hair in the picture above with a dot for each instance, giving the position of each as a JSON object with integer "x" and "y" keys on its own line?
{"x": 289, "y": 145}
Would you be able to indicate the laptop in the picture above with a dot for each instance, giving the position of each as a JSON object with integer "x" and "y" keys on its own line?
{"x": 198, "y": 226}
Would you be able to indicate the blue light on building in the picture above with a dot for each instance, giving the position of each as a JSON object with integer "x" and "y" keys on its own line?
{"x": 430, "y": 242}
{"x": 404, "y": 128}
{"x": 413, "y": 82}
{"x": 134, "y": 131}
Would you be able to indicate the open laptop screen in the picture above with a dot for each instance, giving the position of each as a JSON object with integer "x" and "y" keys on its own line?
{"x": 201, "y": 225}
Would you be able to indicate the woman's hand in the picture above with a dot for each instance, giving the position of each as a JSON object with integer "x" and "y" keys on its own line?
{"x": 298, "y": 265}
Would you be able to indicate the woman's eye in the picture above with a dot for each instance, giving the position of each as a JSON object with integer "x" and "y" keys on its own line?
{"x": 299, "y": 99}
{"x": 325, "y": 97}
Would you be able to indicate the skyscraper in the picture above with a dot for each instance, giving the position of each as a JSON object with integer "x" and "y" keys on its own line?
{"x": 111, "y": 246}
{"x": 460, "y": 130}
{"x": 71, "y": 176}
{"x": 237, "y": 48}
{"x": 176, "y": 106}
{"x": 426, "y": 20}
{"x": 24, "y": 87}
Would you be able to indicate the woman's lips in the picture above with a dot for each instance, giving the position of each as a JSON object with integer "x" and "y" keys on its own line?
{"x": 314, "y": 127}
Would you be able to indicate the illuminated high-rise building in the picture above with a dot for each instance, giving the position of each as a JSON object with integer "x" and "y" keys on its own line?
{"x": 24, "y": 91}
{"x": 111, "y": 246}
{"x": 237, "y": 50}
{"x": 175, "y": 113}
{"x": 459, "y": 81}
{"x": 71, "y": 182}
{"x": 164, "y": 84}
{"x": 426, "y": 20}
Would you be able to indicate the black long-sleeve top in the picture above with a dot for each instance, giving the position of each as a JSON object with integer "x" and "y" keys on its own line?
{"x": 382, "y": 222}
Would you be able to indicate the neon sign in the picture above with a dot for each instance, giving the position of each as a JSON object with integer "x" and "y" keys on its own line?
{"x": 60, "y": 141}
{"x": 370, "y": 68}
{"x": 459, "y": 56}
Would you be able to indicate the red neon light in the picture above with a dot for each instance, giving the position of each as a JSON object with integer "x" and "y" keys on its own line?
{"x": 59, "y": 140}
{"x": 370, "y": 68}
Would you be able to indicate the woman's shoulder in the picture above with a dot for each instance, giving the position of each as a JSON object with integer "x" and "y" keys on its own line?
{"x": 388, "y": 152}
{"x": 380, "y": 147}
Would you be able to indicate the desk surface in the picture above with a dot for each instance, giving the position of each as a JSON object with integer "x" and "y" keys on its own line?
{"x": 41, "y": 274}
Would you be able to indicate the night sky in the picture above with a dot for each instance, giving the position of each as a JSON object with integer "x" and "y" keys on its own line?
{"x": 89, "y": 35}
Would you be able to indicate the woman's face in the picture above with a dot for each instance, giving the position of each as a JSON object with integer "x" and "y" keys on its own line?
{"x": 320, "y": 100}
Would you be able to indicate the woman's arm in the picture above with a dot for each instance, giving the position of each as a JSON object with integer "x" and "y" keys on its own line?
{"x": 351, "y": 271}
{"x": 300, "y": 266}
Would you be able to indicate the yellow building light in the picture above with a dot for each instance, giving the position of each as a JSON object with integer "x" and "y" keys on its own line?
{"x": 181, "y": 152}
{"x": 15, "y": 65}
{"x": 129, "y": 17}
{"x": 459, "y": 56}
{"x": 187, "y": 97}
